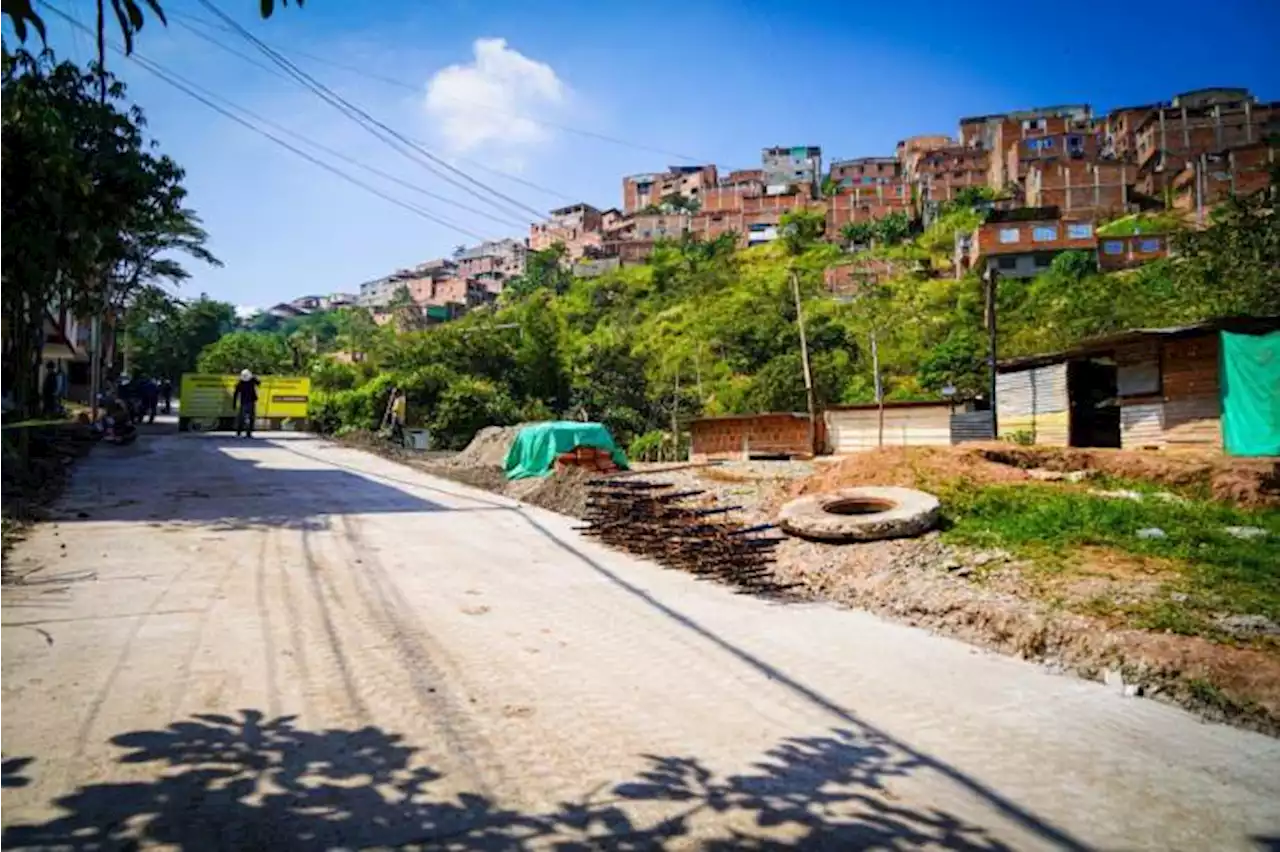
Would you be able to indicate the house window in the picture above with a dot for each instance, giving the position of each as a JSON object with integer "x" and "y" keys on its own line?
{"x": 1042, "y": 260}
{"x": 1046, "y": 143}
{"x": 1009, "y": 235}
{"x": 1079, "y": 232}
{"x": 1006, "y": 263}
{"x": 1113, "y": 247}
{"x": 1044, "y": 233}
{"x": 1149, "y": 245}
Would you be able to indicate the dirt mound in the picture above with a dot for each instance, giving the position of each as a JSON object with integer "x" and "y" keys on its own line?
{"x": 489, "y": 446}
{"x": 1246, "y": 482}
{"x": 565, "y": 491}
{"x": 909, "y": 467}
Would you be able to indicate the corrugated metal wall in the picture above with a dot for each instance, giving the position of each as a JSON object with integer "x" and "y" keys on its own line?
{"x": 1035, "y": 401}
{"x": 854, "y": 430}
{"x": 971, "y": 426}
{"x": 1142, "y": 425}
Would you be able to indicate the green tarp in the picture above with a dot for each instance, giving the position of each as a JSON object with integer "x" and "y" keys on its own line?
{"x": 1251, "y": 394}
{"x": 534, "y": 451}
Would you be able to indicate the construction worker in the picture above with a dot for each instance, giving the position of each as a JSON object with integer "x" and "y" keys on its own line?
{"x": 243, "y": 400}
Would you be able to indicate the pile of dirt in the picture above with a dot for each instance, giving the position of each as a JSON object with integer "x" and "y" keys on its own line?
{"x": 910, "y": 467}
{"x": 565, "y": 491}
{"x": 1243, "y": 481}
{"x": 489, "y": 447}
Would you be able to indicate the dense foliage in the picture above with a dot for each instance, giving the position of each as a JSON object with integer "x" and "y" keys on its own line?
{"x": 705, "y": 328}
{"x": 93, "y": 217}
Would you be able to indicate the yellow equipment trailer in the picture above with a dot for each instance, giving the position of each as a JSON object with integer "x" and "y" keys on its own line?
{"x": 205, "y": 402}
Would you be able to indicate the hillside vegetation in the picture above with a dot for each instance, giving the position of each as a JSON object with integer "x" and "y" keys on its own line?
{"x": 705, "y": 328}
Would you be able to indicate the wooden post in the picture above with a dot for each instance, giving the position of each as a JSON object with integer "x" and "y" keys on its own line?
{"x": 993, "y": 281}
{"x": 875, "y": 368}
{"x": 804, "y": 360}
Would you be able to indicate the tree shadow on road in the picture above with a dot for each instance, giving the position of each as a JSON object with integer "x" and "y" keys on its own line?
{"x": 252, "y": 782}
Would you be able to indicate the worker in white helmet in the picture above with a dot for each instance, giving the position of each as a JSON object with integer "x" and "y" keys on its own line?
{"x": 244, "y": 400}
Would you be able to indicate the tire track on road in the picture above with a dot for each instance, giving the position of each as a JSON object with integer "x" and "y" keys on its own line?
{"x": 100, "y": 697}
{"x": 312, "y": 568}
{"x": 427, "y": 679}
{"x": 202, "y": 624}
{"x": 264, "y": 626}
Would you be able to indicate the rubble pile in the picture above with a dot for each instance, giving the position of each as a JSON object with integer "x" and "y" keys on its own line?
{"x": 654, "y": 520}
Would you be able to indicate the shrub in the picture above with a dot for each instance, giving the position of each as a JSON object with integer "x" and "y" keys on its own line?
{"x": 466, "y": 407}
{"x": 331, "y": 375}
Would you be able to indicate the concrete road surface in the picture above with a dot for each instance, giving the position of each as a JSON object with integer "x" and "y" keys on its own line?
{"x": 283, "y": 644}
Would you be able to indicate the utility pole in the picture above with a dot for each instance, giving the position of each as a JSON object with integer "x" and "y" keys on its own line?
{"x": 675, "y": 418}
{"x": 804, "y": 360}
{"x": 992, "y": 281}
{"x": 875, "y": 367}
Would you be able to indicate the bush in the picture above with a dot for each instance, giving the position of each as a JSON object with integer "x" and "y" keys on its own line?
{"x": 649, "y": 447}
{"x": 466, "y": 407}
{"x": 331, "y": 375}
{"x": 423, "y": 388}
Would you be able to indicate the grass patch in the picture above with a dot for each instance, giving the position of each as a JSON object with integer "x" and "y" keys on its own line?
{"x": 1218, "y": 573}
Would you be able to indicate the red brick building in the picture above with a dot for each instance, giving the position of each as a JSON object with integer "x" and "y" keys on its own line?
{"x": 1210, "y": 179}
{"x": 865, "y": 172}
{"x": 578, "y": 227}
{"x": 939, "y": 173}
{"x": 1203, "y": 122}
{"x": 1079, "y": 187}
{"x": 1022, "y": 243}
{"x": 1013, "y": 131}
{"x": 1131, "y": 250}
{"x": 645, "y": 190}
{"x": 866, "y": 204}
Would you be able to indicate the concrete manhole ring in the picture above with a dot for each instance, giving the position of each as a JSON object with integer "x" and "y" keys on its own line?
{"x": 860, "y": 514}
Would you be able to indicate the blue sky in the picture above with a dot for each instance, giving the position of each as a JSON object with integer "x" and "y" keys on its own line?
{"x": 711, "y": 80}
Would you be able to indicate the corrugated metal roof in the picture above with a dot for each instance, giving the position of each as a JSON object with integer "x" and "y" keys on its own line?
{"x": 1243, "y": 325}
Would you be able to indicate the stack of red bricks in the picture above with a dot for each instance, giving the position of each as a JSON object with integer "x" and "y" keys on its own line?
{"x": 592, "y": 458}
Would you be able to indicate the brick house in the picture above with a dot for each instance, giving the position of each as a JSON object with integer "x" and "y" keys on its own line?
{"x": 754, "y": 216}
{"x": 1014, "y": 130}
{"x": 1210, "y": 179}
{"x": 866, "y": 204}
{"x": 579, "y": 227}
{"x": 865, "y": 172}
{"x": 1080, "y": 187}
{"x": 1130, "y": 250}
{"x": 1022, "y": 243}
{"x": 643, "y": 190}
{"x": 493, "y": 263}
{"x": 939, "y": 173}
{"x": 1206, "y": 121}
{"x": 1118, "y": 132}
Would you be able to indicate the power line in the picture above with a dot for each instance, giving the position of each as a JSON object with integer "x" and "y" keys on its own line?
{"x": 160, "y": 72}
{"x": 510, "y": 223}
{"x": 275, "y": 71}
{"x": 402, "y": 84}
{"x": 367, "y": 121}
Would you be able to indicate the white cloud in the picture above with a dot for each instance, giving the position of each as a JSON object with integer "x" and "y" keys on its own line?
{"x": 493, "y": 103}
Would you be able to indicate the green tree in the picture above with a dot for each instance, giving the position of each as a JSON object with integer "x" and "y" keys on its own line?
{"x": 467, "y": 406}
{"x": 544, "y": 270}
{"x": 263, "y": 354}
{"x": 165, "y": 337}
{"x": 856, "y": 233}
{"x": 129, "y": 16}
{"x": 91, "y": 216}
{"x": 1232, "y": 267}
{"x": 801, "y": 229}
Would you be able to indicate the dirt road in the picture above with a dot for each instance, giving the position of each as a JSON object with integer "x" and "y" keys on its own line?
{"x": 283, "y": 644}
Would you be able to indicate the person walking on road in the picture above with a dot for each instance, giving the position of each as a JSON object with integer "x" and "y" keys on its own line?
{"x": 244, "y": 400}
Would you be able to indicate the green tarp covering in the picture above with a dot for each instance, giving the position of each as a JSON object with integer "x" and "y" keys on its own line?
{"x": 1251, "y": 394}
{"x": 534, "y": 451}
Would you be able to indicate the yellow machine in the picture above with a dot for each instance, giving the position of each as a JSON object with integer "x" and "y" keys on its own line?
{"x": 206, "y": 404}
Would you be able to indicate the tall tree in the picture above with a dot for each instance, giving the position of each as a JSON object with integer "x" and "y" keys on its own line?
{"x": 91, "y": 215}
